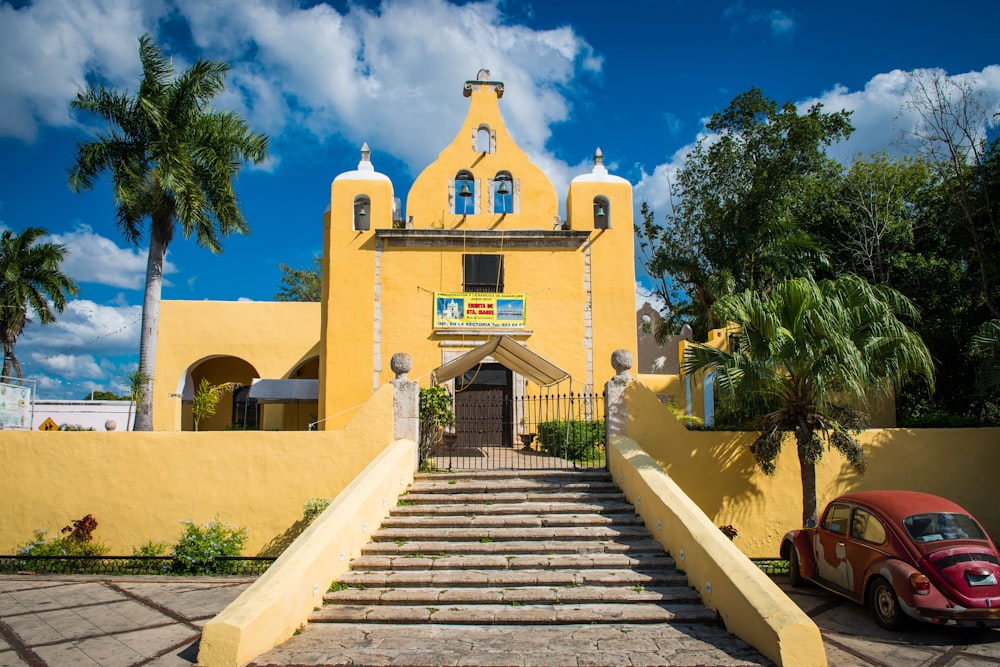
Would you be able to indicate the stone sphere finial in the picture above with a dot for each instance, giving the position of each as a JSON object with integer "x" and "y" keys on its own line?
{"x": 401, "y": 364}
{"x": 110, "y": 425}
{"x": 621, "y": 361}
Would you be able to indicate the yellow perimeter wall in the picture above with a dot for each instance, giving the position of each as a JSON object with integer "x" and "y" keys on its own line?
{"x": 140, "y": 485}
{"x": 716, "y": 470}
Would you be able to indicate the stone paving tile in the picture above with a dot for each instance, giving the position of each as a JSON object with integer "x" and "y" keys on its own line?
{"x": 189, "y": 599}
{"x": 153, "y": 641}
{"x": 889, "y": 654}
{"x": 10, "y": 659}
{"x": 65, "y": 655}
{"x": 984, "y": 644}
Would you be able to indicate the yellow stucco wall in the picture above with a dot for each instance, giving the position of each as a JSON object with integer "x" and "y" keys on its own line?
{"x": 139, "y": 486}
{"x": 225, "y": 338}
{"x": 717, "y": 471}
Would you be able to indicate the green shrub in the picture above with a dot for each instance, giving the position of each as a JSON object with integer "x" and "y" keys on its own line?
{"x": 150, "y": 549}
{"x": 573, "y": 440}
{"x": 939, "y": 419}
{"x": 78, "y": 540}
{"x": 199, "y": 547}
{"x": 435, "y": 415}
{"x": 314, "y": 507}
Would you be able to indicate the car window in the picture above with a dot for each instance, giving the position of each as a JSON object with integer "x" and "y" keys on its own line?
{"x": 936, "y": 526}
{"x": 836, "y": 518}
{"x": 866, "y": 526}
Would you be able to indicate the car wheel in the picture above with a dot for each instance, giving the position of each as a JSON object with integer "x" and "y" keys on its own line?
{"x": 885, "y": 605}
{"x": 794, "y": 573}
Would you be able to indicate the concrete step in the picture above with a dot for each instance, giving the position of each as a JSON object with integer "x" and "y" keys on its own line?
{"x": 510, "y": 497}
{"x": 522, "y": 595}
{"x": 516, "y": 614}
{"x": 536, "y": 520}
{"x": 514, "y": 547}
{"x": 546, "y": 534}
{"x": 409, "y": 508}
{"x": 542, "y": 475}
{"x": 452, "y": 578}
{"x": 504, "y": 561}
{"x": 512, "y": 485}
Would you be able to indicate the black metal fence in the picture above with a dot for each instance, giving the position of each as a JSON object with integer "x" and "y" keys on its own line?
{"x": 244, "y": 566}
{"x": 492, "y": 431}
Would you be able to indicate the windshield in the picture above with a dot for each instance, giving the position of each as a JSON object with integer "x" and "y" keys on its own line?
{"x": 937, "y": 526}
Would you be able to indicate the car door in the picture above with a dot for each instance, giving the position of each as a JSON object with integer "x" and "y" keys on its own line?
{"x": 865, "y": 545}
{"x": 830, "y": 545}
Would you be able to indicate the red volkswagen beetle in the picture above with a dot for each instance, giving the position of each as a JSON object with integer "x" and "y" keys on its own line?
{"x": 903, "y": 553}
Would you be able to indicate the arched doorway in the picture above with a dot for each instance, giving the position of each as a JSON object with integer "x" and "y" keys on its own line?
{"x": 229, "y": 412}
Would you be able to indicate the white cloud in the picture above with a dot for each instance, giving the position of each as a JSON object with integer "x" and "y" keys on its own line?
{"x": 391, "y": 77}
{"x": 92, "y": 258}
{"x": 49, "y": 47}
{"x": 778, "y": 22}
{"x": 878, "y": 110}
{"x": 352, "y": 74}
{"x": 88, "y": 347}
{"x": 100, "y": 329}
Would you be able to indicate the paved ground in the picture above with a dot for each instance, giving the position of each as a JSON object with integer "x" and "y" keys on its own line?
{"x": 853, "y": 639}
{"x": 108, "y": 622}
{"x": 112, "y": 622}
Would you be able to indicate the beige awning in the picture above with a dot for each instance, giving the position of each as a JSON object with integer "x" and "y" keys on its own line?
{"x": 285, "y": 391}
{"x": 511, "y": 354}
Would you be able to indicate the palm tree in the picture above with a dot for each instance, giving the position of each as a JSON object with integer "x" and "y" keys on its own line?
{"x": 29, "y": 276}
{"x": 137, "y": 381}
{"x": 816, "y": 353}
{"x": 172, "y": 160}
{"x": 985, "y": 347}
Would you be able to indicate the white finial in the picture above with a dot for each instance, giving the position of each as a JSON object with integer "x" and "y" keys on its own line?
{"x": 366, "y": 159}
{"x": 599, "y": 167}
{"x": 483, "y": 75}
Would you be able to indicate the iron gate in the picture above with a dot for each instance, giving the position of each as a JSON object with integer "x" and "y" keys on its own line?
{"x": 494, "y": 430}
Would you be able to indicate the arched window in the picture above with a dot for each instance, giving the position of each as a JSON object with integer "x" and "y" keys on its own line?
{"x": 484, "y": 140}
{"x": 602, "y": 212}
{"x": 362, "y": 213}
{"x": 504, "y": 193}
{"x": 465, "y": 193}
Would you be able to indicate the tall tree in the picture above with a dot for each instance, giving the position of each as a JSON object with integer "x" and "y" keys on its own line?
{"x": 954, "y": 120}
{"x": 301, "y": 284}
{"x": 741, "y": 195}
{"x": 30, "y": 276}
{"x": 172, "y": 159}
{"x": 817, "y": 353}
{"x": 879, "y": 205}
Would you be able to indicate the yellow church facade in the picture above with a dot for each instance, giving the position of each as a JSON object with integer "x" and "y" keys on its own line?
{"x": 480, "y": 255}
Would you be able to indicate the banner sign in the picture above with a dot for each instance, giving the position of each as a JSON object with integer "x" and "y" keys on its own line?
{"x": 458, "y": 310}
{"x": 15, "y": 406}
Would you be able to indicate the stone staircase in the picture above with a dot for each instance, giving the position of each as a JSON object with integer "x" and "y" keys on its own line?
{"x": 513, "y": 547}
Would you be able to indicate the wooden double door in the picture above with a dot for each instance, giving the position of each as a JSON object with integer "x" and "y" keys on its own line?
{"x": 484, "y": 407}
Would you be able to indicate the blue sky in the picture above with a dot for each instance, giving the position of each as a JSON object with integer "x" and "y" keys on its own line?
{"x": 636, "y": 78}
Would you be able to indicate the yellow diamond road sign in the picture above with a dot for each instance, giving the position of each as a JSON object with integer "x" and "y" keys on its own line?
{"x": 48, "y": 425}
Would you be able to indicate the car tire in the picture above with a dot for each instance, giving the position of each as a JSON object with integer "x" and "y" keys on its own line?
{"x": 794, "y": 573}
{"x": 885, "y": 605}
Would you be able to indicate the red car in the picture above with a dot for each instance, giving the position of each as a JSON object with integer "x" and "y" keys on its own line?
{"x": 903, "y": 553}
